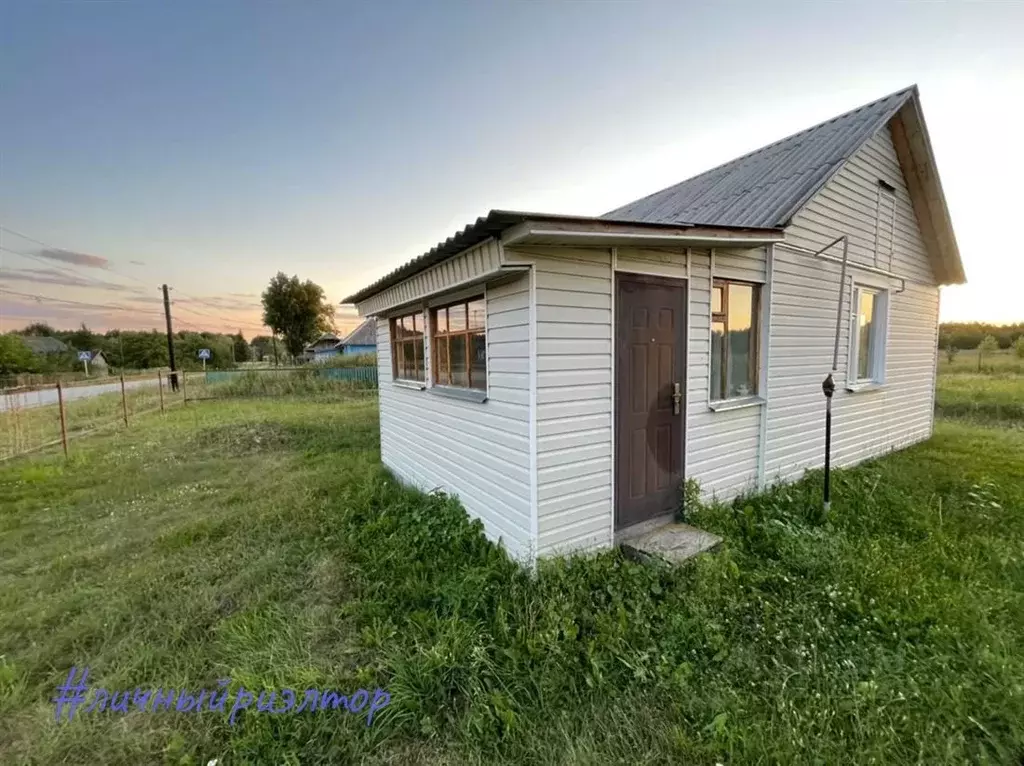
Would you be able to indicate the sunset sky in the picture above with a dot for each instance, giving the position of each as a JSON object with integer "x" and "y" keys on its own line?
{"x": 210, "y": 145}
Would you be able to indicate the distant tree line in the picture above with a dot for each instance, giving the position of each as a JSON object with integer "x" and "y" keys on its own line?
{"x": 296, "y": 311}
{"x": 969, "y": 335}
{"x": 123, "y": 349}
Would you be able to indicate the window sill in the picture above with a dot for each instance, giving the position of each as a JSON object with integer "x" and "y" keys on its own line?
{"x": 465, "y": 394}
{"x": 736, "y": 404}
{"x": 864, "y": 385}
{"x": 413, "y": 384}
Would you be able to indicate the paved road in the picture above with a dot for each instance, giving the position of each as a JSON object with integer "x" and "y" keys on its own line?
{"x": 46, "y": 396}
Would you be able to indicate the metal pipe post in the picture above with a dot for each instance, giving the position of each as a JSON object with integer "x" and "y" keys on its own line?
{"x": 63, "y": 422}
{"x": 839, "y": 308}
{"x": 828, "y": 387}
{"x": 124, "y": 402}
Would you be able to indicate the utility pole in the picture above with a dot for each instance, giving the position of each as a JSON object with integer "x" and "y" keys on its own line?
{"x": 173, "y": 377}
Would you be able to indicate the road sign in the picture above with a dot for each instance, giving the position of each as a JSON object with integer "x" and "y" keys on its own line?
{"x": 204, "y": 353}
{"x": 84, "y": 356}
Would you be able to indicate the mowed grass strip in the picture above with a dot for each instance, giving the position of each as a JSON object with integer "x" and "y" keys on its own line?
{"x": 262, "y": 541}
{"x": 995, "y": 398}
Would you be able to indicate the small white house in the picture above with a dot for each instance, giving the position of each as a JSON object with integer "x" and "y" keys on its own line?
{"x": 562, "y": 375}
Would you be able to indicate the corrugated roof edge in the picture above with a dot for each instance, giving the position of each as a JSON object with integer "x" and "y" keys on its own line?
{"x": 492, "y": 225}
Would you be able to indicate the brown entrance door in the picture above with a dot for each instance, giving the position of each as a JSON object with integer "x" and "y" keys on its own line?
{"x": 650, "y": 395}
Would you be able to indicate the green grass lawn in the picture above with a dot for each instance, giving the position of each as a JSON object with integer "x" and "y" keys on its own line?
{"x": 995, "y": 395}
{"x": 262, "y": 541}
{"x": 996, "y": 398}
{"x": 1003, "y": 361}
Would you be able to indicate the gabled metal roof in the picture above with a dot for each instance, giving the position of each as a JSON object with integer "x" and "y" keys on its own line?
{"x": 45, "y": 344}
{"x": 768, "y": 186}
{"x": 761, "y": 190}
{"x": 364, "y": 335}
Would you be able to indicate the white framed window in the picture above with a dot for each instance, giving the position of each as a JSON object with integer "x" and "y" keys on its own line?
{"x": 868, "y": 321}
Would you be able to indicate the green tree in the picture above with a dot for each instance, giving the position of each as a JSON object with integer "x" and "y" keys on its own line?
{"x": 965, "y": 335}
{"x": 15, "y": 356}
{"x": 988, "y": 344}
{"x": 951, "y": 352}
{"x": 83, "y": 339}
{"x": 187, "y": 345}
{"x": 1018, "y": 346}
{"x": 143, "y": 350}
{"x": 262, "y": 347}
{"x": 40, "y": 329}
{"x": 241, "y": 347}
{"x": 299, "y": 311}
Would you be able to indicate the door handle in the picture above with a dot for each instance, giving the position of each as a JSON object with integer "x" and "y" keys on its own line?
{"x": 677, "y": 398}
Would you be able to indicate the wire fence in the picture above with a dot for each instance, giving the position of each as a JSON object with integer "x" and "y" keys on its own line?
{"x": 51, "y": 416}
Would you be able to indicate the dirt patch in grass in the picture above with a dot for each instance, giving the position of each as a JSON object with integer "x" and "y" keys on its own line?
{"x": 237, "y": 439}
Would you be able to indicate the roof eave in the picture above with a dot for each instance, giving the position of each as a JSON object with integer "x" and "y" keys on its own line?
{"x": 550, "y": 228}
{"x": 606, "y": 233}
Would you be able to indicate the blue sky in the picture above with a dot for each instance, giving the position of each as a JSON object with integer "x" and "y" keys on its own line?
{"x": 209, "y": 145}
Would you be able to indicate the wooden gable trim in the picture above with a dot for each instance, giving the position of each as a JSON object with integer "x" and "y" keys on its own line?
{"x": 914, "y": 152}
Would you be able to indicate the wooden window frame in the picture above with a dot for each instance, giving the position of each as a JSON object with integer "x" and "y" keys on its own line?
{"x": 396, "y": 343}
{"x": 436, "y": 338}
{"x": 755, "y": 334}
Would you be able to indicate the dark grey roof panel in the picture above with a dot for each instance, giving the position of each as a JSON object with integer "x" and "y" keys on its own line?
{"x": 364, "y": 335}
{"x": 767, "y": 187}
{"x": 44, "y": 344}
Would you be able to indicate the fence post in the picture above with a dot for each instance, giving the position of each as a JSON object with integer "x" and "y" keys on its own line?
{"x": 160, "y": 385}
{"x": 63, "y": 423}
{"x": 184, "y": 395}
{"x": 124, "y": 402}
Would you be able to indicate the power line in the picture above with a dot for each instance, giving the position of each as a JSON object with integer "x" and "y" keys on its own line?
{"x": 49, "y": 246}
{"x": 221, "y": 317}
{"x": 113, "y": 307}
{"x": 63, "y": 270}
{"x": 190, "y": 325}
{"x": 225, "y": 320}
{"x": 96, "y": 306}
{"x": 107, "y": 285}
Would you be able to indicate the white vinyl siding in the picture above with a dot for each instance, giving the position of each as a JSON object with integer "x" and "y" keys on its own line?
{"x": 848, "y": 204}
{"x": 479, "y": 452}
{"x": 866, "y": 423}
{"x": 721, "y": 447}
{"x": 574, "y": 412}
{"x": 575, "y": 335}
{"x": 804, "y": 294}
